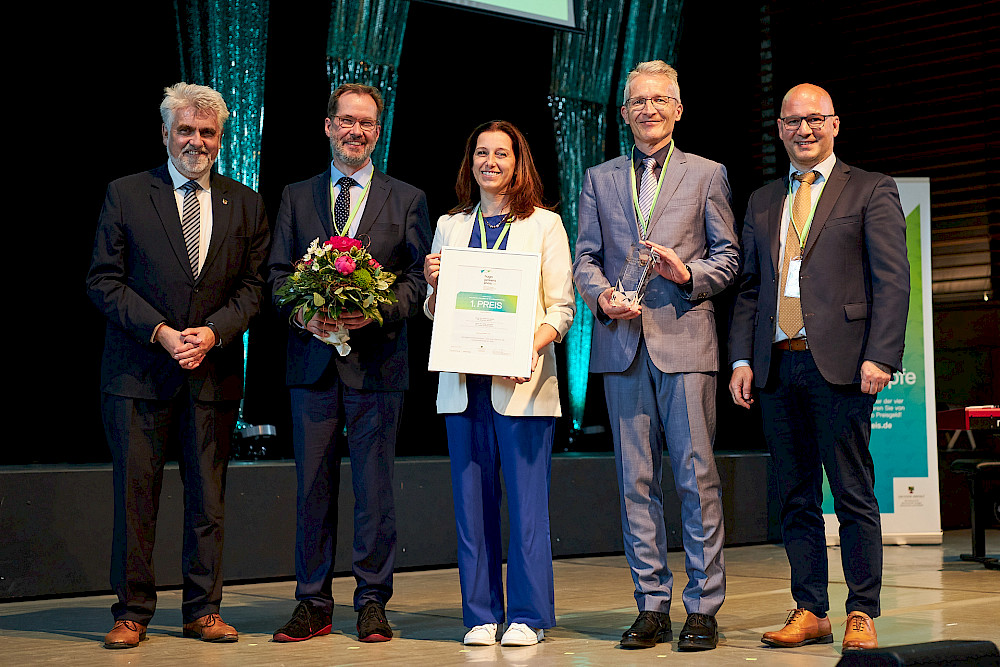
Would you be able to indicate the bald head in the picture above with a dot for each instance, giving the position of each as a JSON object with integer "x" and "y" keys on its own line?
{"x": 811, "y": 92}
{"x": 807, "y": 146}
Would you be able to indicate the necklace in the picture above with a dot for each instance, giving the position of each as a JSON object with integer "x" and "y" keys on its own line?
{"x": 502, "y": 220}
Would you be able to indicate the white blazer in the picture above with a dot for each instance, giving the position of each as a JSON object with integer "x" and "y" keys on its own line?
{"x": 540, "y": 232}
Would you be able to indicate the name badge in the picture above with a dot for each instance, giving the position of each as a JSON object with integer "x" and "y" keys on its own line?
{"x": 792, "y": 281}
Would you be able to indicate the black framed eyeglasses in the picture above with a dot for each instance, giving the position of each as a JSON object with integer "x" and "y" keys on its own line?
{"x": 658, "y": 102}
{"x": 815, "y": 121}
{"x": 347, "y": 122}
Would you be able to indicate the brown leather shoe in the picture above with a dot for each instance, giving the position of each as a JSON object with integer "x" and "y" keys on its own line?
{"x": 125, "y": 634}
{"x": 211, "y": 628}
{"x": 860, "y": 634}
{"x": 801, "y": 627}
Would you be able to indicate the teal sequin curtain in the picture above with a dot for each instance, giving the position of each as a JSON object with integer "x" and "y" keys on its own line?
{"x": 223, "y": 44}
{"x": 582, "y": 80}
{"x": 651, "y": 33}
{"x": 366, "y": 38}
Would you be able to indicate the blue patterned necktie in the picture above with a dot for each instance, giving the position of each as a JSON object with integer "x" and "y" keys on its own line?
{"x": 647, "y": 190}
{"x": 191, "y": 223}
{"x": 342, "y": 207}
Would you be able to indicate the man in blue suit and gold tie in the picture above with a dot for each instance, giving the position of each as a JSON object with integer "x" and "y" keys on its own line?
{"x": 660, "y": 358}
{"x": 817, "y": 330}
{"x": 363, "y": 390}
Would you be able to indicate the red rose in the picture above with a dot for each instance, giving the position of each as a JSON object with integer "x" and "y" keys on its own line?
{"x": 343, "y": 243}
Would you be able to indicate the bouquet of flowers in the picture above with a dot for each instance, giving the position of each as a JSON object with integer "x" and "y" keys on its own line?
{"x": 335, "y": 277}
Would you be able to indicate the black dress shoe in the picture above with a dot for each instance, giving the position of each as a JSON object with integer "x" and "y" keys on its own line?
{"x": 308, "y": 621}
{"x": 649, "y": 629}
{"x": 700, "y": 633}
{"x": 372, "y": 624}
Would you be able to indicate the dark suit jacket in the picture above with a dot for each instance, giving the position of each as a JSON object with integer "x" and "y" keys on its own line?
{"x": 140, "y": 276}
{"x": 395, "y": 221}
{"x": 854, "y": 279}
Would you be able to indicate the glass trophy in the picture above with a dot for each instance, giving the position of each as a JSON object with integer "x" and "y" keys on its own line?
{"x": 634, "y": 276}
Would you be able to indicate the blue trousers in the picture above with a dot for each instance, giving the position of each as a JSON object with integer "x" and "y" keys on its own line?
{"x": 319, "y": 413}
{"x": 481, "y": 442}
{"x": 810, "y": 425}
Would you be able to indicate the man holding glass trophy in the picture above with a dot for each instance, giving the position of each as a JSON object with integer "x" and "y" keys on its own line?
{"x": 656, "y": 241}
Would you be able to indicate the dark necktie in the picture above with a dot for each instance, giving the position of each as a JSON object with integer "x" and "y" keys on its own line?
{"x": 191, "y": 223}
{"x": 342, "y": 207}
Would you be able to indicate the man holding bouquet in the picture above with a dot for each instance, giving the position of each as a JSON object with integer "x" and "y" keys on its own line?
{"x": 359, "y": 385}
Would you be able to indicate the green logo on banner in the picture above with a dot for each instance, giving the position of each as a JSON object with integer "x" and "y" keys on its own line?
{"x": 491, "y": 303}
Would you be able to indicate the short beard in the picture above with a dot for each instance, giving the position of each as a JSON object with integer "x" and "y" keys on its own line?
{"x": 350, "y": 160}
{"x": 181, "y": 164}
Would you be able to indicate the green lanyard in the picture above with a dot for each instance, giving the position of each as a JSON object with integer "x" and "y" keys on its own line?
{"x": 815, "y": 194}
{"x": 644, "y": 231}
{"x": 350, "y": 218}
{"x": 482, "y": 230}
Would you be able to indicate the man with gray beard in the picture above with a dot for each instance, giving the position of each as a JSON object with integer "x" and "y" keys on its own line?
{"x": 176, "y": 273}
{"x": 363, "y": 390}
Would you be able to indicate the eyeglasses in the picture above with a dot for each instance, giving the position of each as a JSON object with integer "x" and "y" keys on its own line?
{"x": 815, "y": 122}
{"x": 659, "y": 102}
{"x": 347, "y": 122}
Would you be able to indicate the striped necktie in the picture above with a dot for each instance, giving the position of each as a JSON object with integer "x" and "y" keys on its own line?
{"x": 647, "y": 190}
{"x": 191, "y": 223}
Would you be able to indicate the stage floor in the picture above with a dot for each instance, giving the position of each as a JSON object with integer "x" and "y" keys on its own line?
{"x": 928, "y": 594}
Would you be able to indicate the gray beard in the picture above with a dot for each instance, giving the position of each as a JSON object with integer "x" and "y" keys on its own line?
{"x": 351, "y": 160}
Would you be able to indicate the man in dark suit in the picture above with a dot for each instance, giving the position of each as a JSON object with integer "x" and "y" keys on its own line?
{"x": 363, "y": 390}
{"x": 176, "y": 272}
{"x": 818, "y": 328}
{"x": 660, "y": 359}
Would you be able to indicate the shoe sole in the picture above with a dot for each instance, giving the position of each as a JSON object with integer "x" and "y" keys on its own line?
{"x": 858, "y": 648}
{"x": 637, "y": 643}
{"x": 282, "y": 638}
{"x": 375, "y": 637}
{"x": 116, "y": 645}
{"x": 682, "y": 646}
{"x": 224, "y": 639}
{"x": 825, "y": 639}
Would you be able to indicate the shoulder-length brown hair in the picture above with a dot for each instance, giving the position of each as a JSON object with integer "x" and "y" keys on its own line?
{"x": 525, "y": 190}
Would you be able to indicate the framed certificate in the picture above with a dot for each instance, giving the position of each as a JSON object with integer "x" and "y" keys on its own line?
{"x": 484, "y": 317}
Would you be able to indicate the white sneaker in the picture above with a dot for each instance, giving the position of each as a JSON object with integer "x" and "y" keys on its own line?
{"x": 482, "y": 635}
{"x": 519, "y": 634}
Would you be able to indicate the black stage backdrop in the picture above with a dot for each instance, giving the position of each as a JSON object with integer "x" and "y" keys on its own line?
{"x": 99, "y": 78}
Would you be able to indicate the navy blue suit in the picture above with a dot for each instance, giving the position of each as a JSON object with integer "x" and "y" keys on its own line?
{"x": 854, "y": 284}
{"x": 363, "y": 390}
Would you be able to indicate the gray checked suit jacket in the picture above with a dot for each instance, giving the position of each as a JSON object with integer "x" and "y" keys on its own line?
{"x": 693, "y": 215}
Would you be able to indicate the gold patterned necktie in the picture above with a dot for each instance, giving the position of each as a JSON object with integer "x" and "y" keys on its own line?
{"x": 789, "y": 307}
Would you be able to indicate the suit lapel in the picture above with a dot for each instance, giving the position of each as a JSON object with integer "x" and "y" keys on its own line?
{"x": 772, "y": 220}
{"x": 378, "y": 193}
{"x": 831, "y": 192}
{"x": 222, "y": 218}
{"x": 676, "y": 169}
{"x": 165, "y": 204}
{"x": 623, "y": 185}
{"x": 321, "y": 200}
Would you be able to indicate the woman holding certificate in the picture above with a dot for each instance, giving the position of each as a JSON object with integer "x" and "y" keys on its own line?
{"x": 504, "y": 424}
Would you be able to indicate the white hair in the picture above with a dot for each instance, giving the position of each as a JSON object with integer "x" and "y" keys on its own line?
{"x": 200, "y": 98}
